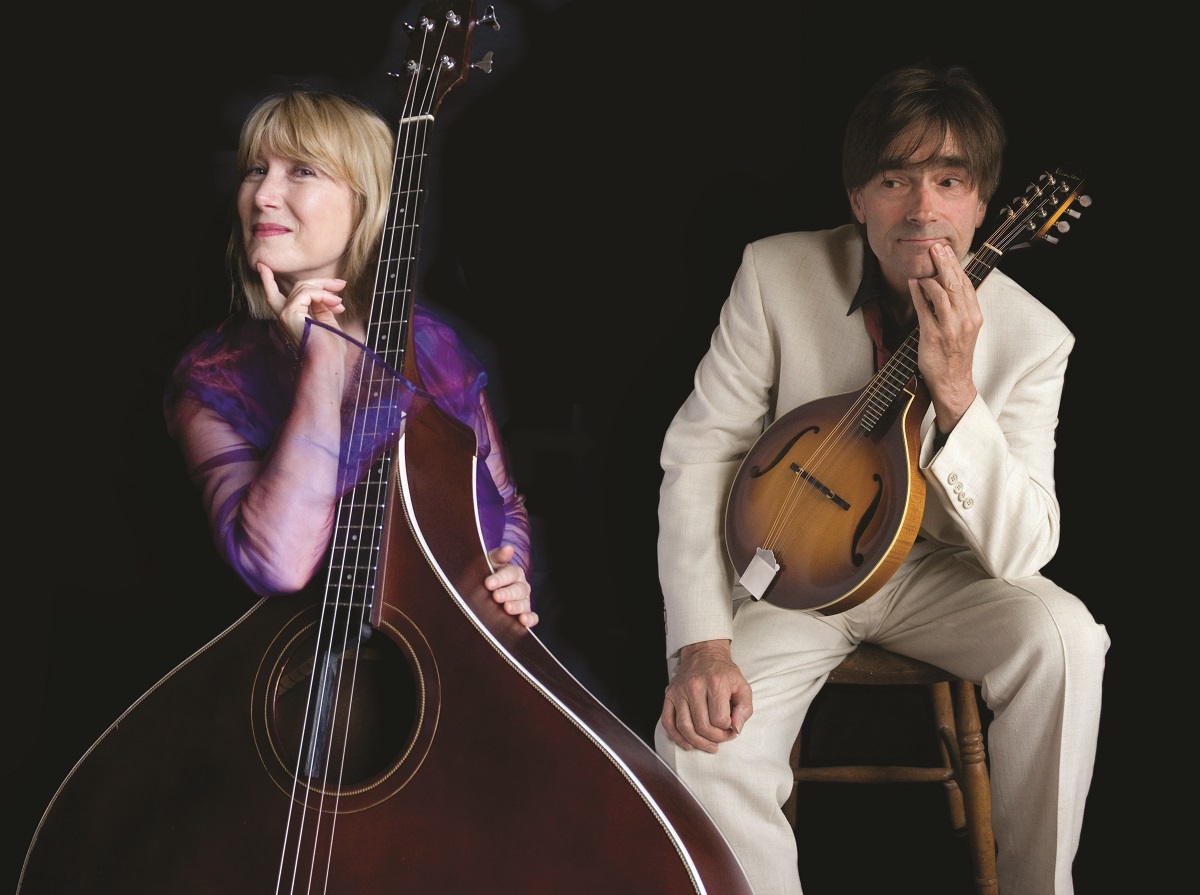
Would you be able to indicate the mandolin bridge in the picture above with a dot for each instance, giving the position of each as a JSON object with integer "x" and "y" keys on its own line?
{"x": 820, "y": 486}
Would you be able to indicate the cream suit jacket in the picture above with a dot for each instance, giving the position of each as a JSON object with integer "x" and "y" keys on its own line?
{"x": 784, "y": 339}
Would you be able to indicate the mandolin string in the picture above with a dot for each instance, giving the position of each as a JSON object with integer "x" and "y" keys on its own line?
{"x": 830, "y": 456}
{"x": 798, "y": 496}
{"x": 887, "y": 382}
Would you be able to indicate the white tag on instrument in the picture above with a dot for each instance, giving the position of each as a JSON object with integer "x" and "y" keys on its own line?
{"x": 760, "y": 573}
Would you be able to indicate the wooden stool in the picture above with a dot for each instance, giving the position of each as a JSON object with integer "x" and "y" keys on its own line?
{"x": 963, "y": 771}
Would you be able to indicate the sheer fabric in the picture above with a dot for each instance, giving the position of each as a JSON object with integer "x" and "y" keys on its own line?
{"x": 232, "y": 390}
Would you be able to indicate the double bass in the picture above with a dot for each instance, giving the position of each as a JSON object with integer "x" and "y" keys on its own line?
{"x": 399, "y": 733}
{"x": 828, "y": 501}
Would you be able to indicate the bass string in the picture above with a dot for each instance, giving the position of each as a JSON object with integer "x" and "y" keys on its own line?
{"x": 349, "y": 606}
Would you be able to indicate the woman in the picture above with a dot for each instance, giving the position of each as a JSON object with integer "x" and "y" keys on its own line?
{"x": 256, "y": 403}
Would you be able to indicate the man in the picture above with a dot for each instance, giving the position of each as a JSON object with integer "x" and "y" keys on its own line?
{"x": 814, "y": 314}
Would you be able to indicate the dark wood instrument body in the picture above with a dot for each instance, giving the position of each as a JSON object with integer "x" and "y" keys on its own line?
{"x": 397, "y": 732}
{"x": 835, "y": 549}
{"x": 507, "y": 776}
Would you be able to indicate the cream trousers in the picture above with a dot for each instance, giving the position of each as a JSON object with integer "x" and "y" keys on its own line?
{"x": 1034, "y": 649}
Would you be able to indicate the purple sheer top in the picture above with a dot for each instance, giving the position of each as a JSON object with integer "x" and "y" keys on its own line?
{"x": 232, "y": 390}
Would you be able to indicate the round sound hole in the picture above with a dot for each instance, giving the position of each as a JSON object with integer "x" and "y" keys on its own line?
{"x": 345, "y": 715}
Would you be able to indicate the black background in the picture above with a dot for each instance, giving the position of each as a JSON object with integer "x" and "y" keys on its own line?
{"x": 589, "y": 203}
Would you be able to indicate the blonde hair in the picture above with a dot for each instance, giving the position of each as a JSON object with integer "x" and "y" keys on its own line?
{"x": 343, "y": 137}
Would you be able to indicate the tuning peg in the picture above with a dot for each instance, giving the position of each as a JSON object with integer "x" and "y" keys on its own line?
{"x": 425, "y": 24}
{"x": 411, "y": 67}
{"x": 489, "y": 18}
{"x": 484, "y": 64}
{"x": 1085, "y": 201}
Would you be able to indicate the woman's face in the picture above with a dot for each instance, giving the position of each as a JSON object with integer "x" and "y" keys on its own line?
{"x": 295, "y": 218}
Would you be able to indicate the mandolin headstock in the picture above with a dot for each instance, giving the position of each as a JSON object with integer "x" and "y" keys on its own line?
{"x": 1044, "y": 207}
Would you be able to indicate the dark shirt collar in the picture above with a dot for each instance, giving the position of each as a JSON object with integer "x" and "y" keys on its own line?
{"x": 871, "y": 298}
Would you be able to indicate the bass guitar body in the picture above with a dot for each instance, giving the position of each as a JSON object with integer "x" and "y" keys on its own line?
{"x": 473, "y": 762}
{"x": 834, "y": 496}
{"x": 399, "y": 734}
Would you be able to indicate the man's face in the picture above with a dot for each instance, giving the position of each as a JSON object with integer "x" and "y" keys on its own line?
{"x": 926, "y": 200}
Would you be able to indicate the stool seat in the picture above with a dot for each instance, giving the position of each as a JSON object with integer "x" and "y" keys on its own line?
{"x": 958, "y": 730}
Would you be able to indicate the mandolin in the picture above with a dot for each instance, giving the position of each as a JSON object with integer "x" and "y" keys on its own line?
{"x": 827, "y": 503}
{"x": 399, "y": 733}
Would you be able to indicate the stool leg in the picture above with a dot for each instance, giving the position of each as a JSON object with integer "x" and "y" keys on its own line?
{"x": 943, "y": 717}
{"x": 973, "y": 772}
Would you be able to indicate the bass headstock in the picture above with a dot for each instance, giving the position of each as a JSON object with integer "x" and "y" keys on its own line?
{"x": 439, "y": 52}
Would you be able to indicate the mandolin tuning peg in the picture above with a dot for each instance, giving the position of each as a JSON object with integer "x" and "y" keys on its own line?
{"x": 1085, "y": 201}
{"x": 1062, "y": 226}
